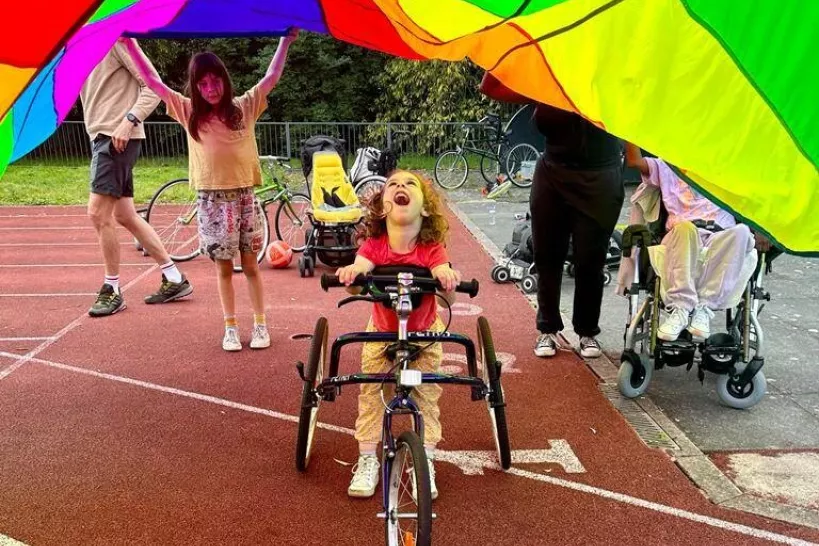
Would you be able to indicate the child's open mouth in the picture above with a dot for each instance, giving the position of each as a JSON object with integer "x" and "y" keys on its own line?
{"x": 401, "y": 199}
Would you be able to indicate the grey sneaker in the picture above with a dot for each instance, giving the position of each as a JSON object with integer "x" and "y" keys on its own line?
{"x": 545, "y": 345}
{"x": 589, "y": 347}
{"x": 170, "y": 291}
{"x": 108, "y": 302}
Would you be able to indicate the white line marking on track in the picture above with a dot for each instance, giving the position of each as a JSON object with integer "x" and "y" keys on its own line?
{"x": 74, "y": 265}
{"x": 25, "y": 338}
{"x": 76, "y": 322}
{"x": 8, "y": 541}
{"x": 442, "y": 454}
{"x": 50, "y": 228}
{"x": 57, "y": 295}
{"x": 43, "y": 215}
{"x": 57, "y": 244}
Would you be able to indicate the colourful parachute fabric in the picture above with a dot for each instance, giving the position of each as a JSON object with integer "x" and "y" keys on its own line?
{"x": 724, "y": 90}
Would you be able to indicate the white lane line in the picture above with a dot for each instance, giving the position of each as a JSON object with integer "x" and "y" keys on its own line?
{"x": 45, "y": 338}
{"x": 8, "y": 541}
{"x": 44, "y": 216}
{"x": 57, "y": 244}
{"x": 10, "y": 266}
{"x": 76, "y": 322}
{"x": 52, "y": 295}
{"x": 43, "y": 228}
{"x": 443, "y": 455}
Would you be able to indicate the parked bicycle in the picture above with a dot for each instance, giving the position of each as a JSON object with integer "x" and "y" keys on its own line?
{"x": 497, "y": 155}
{"x": 172, "y": 213}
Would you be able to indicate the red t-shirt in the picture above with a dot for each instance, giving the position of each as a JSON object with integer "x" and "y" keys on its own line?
{"x": 430, "y": 256}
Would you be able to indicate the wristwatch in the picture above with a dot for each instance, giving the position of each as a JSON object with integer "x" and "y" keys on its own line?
{"x": 133, "y": 119}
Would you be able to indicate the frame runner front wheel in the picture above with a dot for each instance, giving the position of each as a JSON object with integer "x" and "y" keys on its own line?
{"x": 408, "y": 510}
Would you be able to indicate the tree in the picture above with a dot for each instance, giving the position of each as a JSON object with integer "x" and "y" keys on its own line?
{"x": 434, "y": 93}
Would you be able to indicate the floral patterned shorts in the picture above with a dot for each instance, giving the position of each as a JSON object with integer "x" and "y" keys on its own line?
{"x": 230, "y": 221}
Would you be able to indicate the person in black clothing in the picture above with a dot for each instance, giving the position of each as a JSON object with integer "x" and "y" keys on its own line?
{"x": 577, "y": 194}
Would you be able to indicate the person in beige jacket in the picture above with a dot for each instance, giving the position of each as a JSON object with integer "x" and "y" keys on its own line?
{"x": 115, "y": 102}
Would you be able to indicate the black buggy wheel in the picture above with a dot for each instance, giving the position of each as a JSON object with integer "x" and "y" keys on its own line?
{"x": 494, "y": 398}
{"x": 310, "y": 400}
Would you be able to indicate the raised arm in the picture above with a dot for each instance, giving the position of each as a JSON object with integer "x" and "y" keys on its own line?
{"x": 145, "y": 69}
{"x": 635, "y": 159}
{"x": 274, "y": 71}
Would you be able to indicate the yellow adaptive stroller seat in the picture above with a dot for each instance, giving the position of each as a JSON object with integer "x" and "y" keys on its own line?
{"x": 333, "y": 196}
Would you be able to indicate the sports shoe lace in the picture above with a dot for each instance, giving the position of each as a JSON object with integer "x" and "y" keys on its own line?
{"x": 363, "y": 471}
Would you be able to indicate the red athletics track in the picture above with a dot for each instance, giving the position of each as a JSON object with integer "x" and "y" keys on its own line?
{"x": 138, "y": 428}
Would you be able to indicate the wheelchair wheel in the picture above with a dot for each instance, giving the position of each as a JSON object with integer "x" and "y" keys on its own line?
{"x": 310, "y": 399}
{"x": 733, "y": 396}
{"x": 494, "y": 399}
{"x": 606, "y": 277}
{"x": 408, "y": 512}
{"x": 634, "y": 375}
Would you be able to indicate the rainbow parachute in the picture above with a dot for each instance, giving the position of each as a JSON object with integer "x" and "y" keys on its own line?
{"x": 727, "y": 91}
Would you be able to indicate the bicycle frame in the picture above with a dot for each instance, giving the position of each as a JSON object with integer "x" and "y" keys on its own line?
{"x": 471, "y": 145}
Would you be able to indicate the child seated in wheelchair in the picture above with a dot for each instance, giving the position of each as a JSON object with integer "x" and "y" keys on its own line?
{"x": 405, "y": 226}
{"x": 696, "y": 284}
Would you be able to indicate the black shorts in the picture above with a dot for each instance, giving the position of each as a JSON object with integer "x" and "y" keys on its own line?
{"x": 112, "y": 172}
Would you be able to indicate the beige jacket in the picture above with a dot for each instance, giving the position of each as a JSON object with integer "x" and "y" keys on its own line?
{"x": 112, "y": 90}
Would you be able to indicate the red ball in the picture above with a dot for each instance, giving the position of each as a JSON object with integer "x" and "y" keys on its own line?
{"x": 278, "y": 254}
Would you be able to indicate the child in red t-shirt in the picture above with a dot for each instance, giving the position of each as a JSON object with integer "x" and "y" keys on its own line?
{"x": 405, "y": 226}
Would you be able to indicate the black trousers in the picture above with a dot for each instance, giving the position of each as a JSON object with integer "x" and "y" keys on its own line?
{"x": 584, "y": 206}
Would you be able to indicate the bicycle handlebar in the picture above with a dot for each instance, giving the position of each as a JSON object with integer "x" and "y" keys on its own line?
{"x": 364, "y": 280}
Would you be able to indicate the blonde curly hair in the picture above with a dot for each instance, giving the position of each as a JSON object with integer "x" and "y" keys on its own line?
{"x": 434, "y": 227}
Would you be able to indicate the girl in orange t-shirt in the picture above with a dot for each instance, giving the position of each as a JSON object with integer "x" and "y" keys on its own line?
{"x": 224, "y": 167}
{"x": 405, "y": 226}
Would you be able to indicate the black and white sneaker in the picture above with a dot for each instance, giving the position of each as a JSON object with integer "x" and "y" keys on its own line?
{"x": 589, "y": 347}
{"x": 545, "y": 345}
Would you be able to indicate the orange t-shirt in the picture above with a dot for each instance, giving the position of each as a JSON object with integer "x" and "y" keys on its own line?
{"x": 430, "y": 256}
{"x": 223, "y": 159}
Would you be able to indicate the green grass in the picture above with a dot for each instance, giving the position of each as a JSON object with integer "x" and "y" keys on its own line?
{"x": 29, "y": 184}
{"x": 67, "y": 183}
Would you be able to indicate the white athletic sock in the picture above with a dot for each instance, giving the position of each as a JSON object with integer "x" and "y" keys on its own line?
{"x": 113, "y": 281}
{"x": 171, "y": 272}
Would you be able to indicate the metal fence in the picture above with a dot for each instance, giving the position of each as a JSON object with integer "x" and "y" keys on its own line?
{"x": 167, "y": 140}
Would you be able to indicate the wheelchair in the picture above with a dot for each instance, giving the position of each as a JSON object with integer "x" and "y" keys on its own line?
{"x": 336, "y": 213}
{"x": 406, "y": 493}
{"x": 736, "y": 356}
